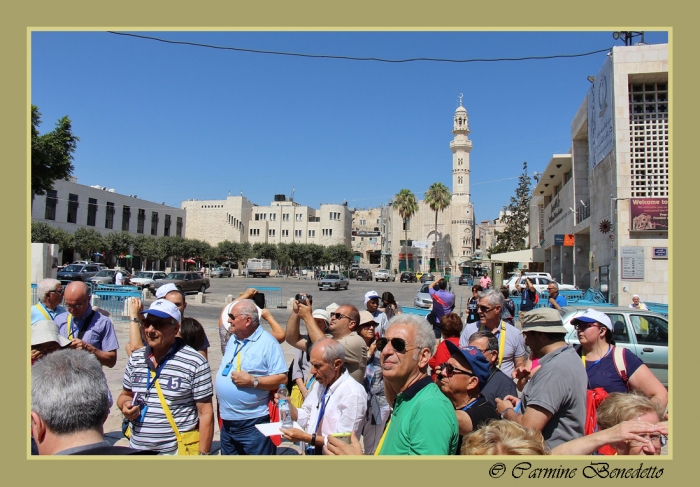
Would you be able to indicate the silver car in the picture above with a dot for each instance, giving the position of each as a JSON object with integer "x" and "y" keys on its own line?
{"x": 220, "y": 272}
{"x": 423, "y": 298}
{"x": 333, "y": 281}
{"x": 642, "y": 332}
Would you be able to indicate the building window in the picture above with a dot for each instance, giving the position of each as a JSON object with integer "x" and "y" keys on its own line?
{"x": 363, "y": 223}
{"x": 257, "y": 216}
{"x": 407, "y": 225}
{"x": 271, "y": 233}
{"x": 178, "y": 229}
{"x": 72, "y": 208}
{"x": 140, "y": 221}
{"x": 154, "y": 223}
{"x": 403, "y": 243}
{"x": 92, "y": 212}
{"x": 166, "y": 226}
{"x": 126, "y": 216}
{"x": 648, "y": 107}
{"x": 109, "y": 215}
{"x": 285, "y": 233}
{"x": 51, "y": 202}
{"x": 285, "y": 217}
{"x": 334, "y": 215}
{"x": 299, "y": 217}
{"x": 273, "y": 216}
{"x": 327, "y": 232}
{"x": 312, "y": 233}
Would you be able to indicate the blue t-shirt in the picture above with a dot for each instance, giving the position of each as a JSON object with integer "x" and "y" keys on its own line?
{"x": 440, "y": 310}
{"x": 603, "y": 373}
{"x": 261, "y": 355}
{"x": 561, "y": 301}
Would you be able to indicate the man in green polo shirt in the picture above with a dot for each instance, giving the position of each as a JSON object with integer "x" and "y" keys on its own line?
{"x": 423, "y": 420}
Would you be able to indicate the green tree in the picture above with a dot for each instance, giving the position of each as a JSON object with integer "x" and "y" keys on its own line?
{"x": 86, "y": 241}
{"x": 265, "y": 251}
{"x": 438, "y": 198}
{"x": 340, "y": 254}
{"x": 52, "y": 153}
{"x": 407, "y": 206}
{"x": 172, "y": 246}
{"x": 516, "y": 217}
{"x": 43, "y": 233}
{"x": 148, "y": 248}
{"x": 116, "y": 243}
{"x": 315, "y": 254}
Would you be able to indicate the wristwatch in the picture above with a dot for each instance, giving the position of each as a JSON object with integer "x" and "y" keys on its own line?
{"x": 207, "y": 453}
{"x": 255, "y": 382}
{"x": 135, "y": 320}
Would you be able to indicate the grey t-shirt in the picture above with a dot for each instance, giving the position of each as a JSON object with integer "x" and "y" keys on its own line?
{"x": 559, "y": 386}
{"x": 514, "y": 346}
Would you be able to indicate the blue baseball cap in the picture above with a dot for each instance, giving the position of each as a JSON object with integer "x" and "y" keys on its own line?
{"x": 479, "y": 364}
{"x": 162, "y": 308}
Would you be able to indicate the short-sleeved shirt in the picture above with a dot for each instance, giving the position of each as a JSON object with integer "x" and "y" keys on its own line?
{"x": 99, "y": 333}
{"x": 527, "y": 300}
{"x": 355, "y": 355}
{"x": 185, "y": 379}
{"x": 602, "y": 373}
{"x": 40, "y": 312}
{"x": 559, "y": 386}
{"x": 261, "y": 355}
{"x": 485, "y": 281}
{"x": 447, "y": 298}
{"x": 480, "y": 413}
{"x": 499, "y": 386}
{"x": 382, "y": 321}
{"x": 514, "y": 346}
{"x": 561, "y": 301}
{"x": 118, "y": 278}
{"x": 423, "y": 422}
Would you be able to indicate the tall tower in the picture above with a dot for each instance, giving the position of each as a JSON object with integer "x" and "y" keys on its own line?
{"x": 462, "y": 210}
{"x": 460, "y": 146}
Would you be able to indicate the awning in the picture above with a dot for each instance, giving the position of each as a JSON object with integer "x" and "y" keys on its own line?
{"x": 527, "y": 255}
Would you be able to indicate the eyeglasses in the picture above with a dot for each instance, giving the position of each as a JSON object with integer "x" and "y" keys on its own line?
{"x": 486, "y": 309}
{"x": 56, "y": 291}
{"x": 398, "y": 344}
{"x": 78, "y": 305}
{"x": 338, "y": 316}
{"x": 233, "y": 317}
{"x": 657, "y": 439}
{"x": 551, "y": 289}
{"x": 584, "y": 325}
{"x": 448, "y": 370}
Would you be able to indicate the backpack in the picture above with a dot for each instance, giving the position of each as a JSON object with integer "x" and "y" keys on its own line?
{"x": 595, "y": 396}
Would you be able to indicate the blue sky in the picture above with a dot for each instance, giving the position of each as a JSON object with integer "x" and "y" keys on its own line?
{"x": 173, "y": 122}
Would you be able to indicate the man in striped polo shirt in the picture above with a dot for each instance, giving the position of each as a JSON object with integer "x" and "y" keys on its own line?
{"x": 184, "y": 377}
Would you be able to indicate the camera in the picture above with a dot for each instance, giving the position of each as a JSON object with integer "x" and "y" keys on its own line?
{"x": 303, "y": 299}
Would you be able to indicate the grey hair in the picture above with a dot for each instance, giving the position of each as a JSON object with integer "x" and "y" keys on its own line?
{"x": 333, "y": 350}
{"x": 494, "y": 297}
{"x": 492, "y": 344}
{"x": 44, "y": 286}
{"x": 425, "y": 336}
{"x": 69, "y": 392}
{"x": 247, "y": 307}
{"x": 555, "y": 284}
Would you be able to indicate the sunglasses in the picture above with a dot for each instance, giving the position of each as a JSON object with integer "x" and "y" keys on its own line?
{"x": 398, "y": 344}
{"x": 448, "y": 370}
{"x": 338, "y": 316}
{"x": 583, "y": 325}
{"x": 485, "y": 309}
{"x": 155, "y": 324}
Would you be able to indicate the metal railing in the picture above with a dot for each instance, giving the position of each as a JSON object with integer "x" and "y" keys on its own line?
{"x": 273, "y": 296}
{"x": 116, "y": 303}
{"x": 415, "y": 311}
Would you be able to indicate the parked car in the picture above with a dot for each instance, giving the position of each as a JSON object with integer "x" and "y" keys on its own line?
{"x": 105, "y": 276}
{"x": 334, "y": 281}
{"x": 364, "y": 275}
{"x": 145, "y": 279}
{"x": 384, "y": 275}
{"x": 427, "y": 277}
{"x": 408, "y": 277}
{"x": 464, "y": 279}
{"x": 423, "y": 298}
{"x": 642, "y": 332}
{"x": 185, "y": 281}
{"x": 540, "y": 283}
{"x": 220, "y": 272}
{"x": 78, "y": 272}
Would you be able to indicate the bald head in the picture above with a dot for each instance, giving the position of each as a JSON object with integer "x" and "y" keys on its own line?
{"x": 77, "y": 298}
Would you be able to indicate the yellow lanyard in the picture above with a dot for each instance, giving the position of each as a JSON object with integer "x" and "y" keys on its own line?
{"x": 381, "y": 441}
{"x": 238, "y": 364}
{"x": 41, "y": 308}
{"x": 69, "y": 324}
{"x": 501, "y": 343}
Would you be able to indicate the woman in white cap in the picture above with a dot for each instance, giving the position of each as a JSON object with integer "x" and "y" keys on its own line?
{"x": 610, "y": 368}
{"x": 637, "y": 304}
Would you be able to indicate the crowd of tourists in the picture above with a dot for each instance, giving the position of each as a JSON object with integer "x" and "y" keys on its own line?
{"x": 364, "y": 380}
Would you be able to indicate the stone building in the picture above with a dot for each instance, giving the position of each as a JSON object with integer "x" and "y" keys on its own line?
{"x": 282, "y": 221}
{"x": 368, "y": 237}
{"x": 600, "y": 212}
{"x": 453, "y": 246}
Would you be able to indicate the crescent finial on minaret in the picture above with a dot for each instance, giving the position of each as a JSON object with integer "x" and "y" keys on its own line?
{"x": 460, "y": 99}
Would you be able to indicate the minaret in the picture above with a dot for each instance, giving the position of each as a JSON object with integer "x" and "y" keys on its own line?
{"x": 460, "y": 146}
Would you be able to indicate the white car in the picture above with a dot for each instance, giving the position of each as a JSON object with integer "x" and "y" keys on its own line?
{"x": 384, "y": 275}
{"x": 146, "y": 278}
{"x": 540, "y": 283}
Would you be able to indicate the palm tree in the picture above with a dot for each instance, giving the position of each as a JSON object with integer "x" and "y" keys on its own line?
{"x": 438, "y": 198}
{"x": 406, "y": 204}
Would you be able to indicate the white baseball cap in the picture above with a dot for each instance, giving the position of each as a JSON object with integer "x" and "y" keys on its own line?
{"x": 370, "y": 295}
{"x": 593, "y": 316}
{"x": 162, "y": 308}
{"x": 165, "y": 289}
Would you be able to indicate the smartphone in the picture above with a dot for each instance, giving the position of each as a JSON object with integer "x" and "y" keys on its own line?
{"x": 259, "y": 300}
{"x": 344, "y": 437}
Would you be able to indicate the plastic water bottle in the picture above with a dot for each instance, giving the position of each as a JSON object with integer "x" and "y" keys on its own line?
{"x": 283, "y": 406}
